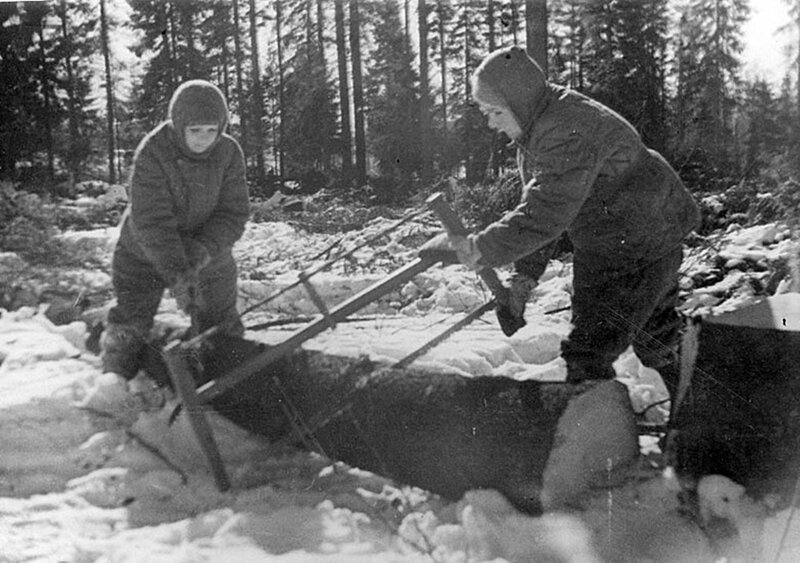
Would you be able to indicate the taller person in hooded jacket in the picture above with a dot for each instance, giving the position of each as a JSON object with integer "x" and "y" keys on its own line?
{"x": 188, "y": 206}
{"x": 586, "y": 172}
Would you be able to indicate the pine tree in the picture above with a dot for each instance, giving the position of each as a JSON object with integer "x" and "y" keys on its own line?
{"x": 626, "y": 44}
{"x": 763, "y": 134}
{"x": 308, "y": 112}
{"x": 536, "y": 31}
{"x": 443, "y": 51}
{"x": 239, "y": 55}
{"x": 393, "y": 102}
{"x": 155, "y": 20}
{"x": 20, "y": 97}
{"x": 74, "y": 51}
{"x": 568, "y": 36}
{"x": 708, "y": 67}
{"x": 479, "y": 146}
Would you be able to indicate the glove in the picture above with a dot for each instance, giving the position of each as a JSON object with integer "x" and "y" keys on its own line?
{"x": 519, "y": 293}
{"x": 197, "y": 254}
{"x": 184, "y": 290}
{"x": 148, "y": 394}
{"x": 451, "y": 249}
{"x": 511, "y": 310}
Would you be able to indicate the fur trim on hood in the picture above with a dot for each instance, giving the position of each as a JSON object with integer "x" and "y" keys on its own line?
{"x": 508, "y": 77}
{"x": 197, "y": 102}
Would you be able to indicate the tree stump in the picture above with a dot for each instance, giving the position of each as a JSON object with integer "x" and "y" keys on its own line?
{"x": 741, "y": 414}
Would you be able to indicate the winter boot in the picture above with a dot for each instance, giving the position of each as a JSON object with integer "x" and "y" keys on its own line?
{"x": 120, "y": 350}
{"x": 580, "y": 372}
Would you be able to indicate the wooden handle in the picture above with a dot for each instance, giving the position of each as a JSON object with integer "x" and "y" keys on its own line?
{"x": 452, "y": 224}
{"x": 455, "y": 227}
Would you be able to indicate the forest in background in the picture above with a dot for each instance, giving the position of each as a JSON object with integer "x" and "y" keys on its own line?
{"x": 371, "y": 98}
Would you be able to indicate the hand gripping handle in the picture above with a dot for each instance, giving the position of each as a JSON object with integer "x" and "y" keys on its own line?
{"x": 455, "y": 227}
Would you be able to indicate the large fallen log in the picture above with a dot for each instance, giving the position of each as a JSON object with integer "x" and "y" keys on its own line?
{"x": 441, "y": 432}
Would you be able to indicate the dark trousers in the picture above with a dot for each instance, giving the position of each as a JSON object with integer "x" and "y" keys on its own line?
{"x": 611, "y": 311}
{"x": 139, "y": 289}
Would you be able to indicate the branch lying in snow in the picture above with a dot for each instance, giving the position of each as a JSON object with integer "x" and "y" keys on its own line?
{"x": 144, "y": 443}
{"x": 307, "y": 319}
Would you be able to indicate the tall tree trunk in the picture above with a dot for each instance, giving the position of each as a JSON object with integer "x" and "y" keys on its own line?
{"x": 321, "y": 35}
{"x": 46, "y": 91}
{"x": 186, "y": 18}
{"x": 536, "y": 31}
{"x": 467, "y": 90}
{"x": 112, "y": 170}
{"x": 514, "y": 21}
{"x": 173, "y": 40}
{"x": 279, "y": 37}
{"x": 258, "y": 97}
{"x": 344, "y": 95}
{"x": 224, "y": 54}
{"x": 358, "y": 94}
{"x": 443, "y": 65}
{"x": 467, "y": 56}
{"x": 165, "y": 22}
{"x": 719, "y": 89}
{"x": 74, "y": 128}
{"x": 310, "y": 45}
{"x": 496, "y": 146}
{"x": 426, "y": 172}
{"x": 407, "y": 21}
{"x": 490, "y": 23}
{"x": 241, "y": 97}
{"x": 797, "y": 7}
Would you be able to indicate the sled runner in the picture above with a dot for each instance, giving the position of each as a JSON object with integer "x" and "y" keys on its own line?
{"x": 195, "y": 399}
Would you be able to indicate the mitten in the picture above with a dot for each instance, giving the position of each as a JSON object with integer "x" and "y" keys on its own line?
{"x": 519, "y": 293}
{"x": 184, "y": 290}
{"x": 197, "y": 254}
{"x": 511, "y": 309}
{"x": 451, "y": 249}
{"x": 467, "y": 251}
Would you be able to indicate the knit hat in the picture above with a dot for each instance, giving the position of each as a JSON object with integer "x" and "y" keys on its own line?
{"x": 509, "y": 78}
{"x": 197, "y": 102}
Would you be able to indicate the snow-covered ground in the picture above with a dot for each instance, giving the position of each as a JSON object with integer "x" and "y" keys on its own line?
{"x": 92, "y": 470}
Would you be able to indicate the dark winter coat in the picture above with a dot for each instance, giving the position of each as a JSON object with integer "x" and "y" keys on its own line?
{"x": 588, "y": 173}
{"x": 176, "y": 196}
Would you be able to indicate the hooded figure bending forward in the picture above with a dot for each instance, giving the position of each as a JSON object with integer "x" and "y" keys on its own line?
{"x": 586, "y": 172}
{"x": 188, "y": 206}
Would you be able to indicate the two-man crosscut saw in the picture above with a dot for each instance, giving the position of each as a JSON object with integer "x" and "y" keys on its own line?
{"x": 330, "y": 317}
{"x": 194, "y": 399}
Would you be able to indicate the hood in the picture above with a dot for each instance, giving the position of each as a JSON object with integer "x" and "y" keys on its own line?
{"x": 508, "y": 77}
{"x": 197, "y": 102}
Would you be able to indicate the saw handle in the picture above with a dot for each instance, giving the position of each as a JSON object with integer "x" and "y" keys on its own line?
{"x": 455, "y": 227}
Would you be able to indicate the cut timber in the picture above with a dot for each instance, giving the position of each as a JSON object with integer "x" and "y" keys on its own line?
{"x": 740, "y": 416}
{"x": 441, "y": 432}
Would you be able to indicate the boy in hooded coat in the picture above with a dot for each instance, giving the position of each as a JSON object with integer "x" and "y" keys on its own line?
{"x": 586, "y": 171}
{"x": 188, "y": 206}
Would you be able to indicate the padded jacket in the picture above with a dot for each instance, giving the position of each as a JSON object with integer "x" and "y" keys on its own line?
{"x": 175, "y": 196}
{"x": 587, "y": 172}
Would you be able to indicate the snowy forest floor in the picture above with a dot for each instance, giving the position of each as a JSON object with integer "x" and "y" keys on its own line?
{"x": 92, "y": 472}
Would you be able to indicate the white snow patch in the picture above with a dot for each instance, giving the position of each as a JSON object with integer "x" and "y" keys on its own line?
{"x": 90, "y": 472}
